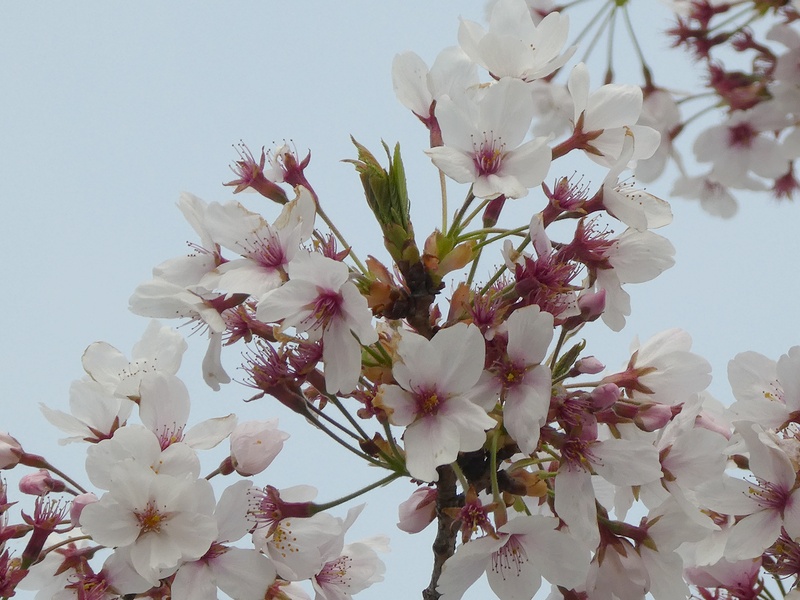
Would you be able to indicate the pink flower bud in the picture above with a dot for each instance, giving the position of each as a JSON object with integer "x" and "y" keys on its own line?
{"x": 589, "y": 365}
{"x": 10, "y": 451}
{"x": 592, "y": 304}
{"x": 651, "y": 417}
{"x": 78, "y": 503}
{"x": 40, "y": 483}
{"x": 255, "y": 444}
{"x": 418, "y": 511}
{"x": 604, "y": 395}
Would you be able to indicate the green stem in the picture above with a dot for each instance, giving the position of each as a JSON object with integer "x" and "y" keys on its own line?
{"x": 600, "y": 28}
{"x": 504, "y": 233}
{"x": 733, "y": 18}
{"x": 388, "y": 479}
{"x": 333, "y": 421}
{"x": 348, "y": 416}
{"x": 561, "y": 338}
{"x": 496, "y": 497}
{"x": 459, "y": 215}
{"x": 443, "y": 188}
{"x": 589, "y": 25}
{"x": 341, "y": 239}
{"x": 342, "y": 443}
{"x": 636, "y": 46}
{"x": 610, "y": 46}
{"x": 466, "y": 221}
{"x": 474, "y": 266}
{"x": 779, "y": 582}
{"x": 390, "y": 439}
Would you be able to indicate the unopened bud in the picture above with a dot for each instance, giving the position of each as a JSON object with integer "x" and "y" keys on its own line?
{"x": 78, "y": 504}
{"x": 492, "y": 212}
{"x": 589, "y": 365}
{"x": 592, "y": 304}
{"x": 604, "y": 395}
{"x": 418, "y": 511}
{"x": 10, "y": 451}
{"x": 40, "y": 483}
{"x": 652, "y": 417}
{"x": 255, "y": 444}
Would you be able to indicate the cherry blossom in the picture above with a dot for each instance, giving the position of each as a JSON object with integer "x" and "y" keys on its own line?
{"x": 766, "y": 392}
{"x": 239, "y": 572}
{"x": 519, "y": 379}
{"x": 417, "y": 87}
{"x": 266, "y": 249}
{"x": 95, "y": 413}
{"x": 607, "y": 116}
{"x": 743, "y": 145}
{"x": 320, "y": 300}
{"x": 255, "y": 444}
{"x": 162, "y": 520}
{"x": 526, "y": 549}
{"x": 483, "y": 142}
{"x": 514, "y": 46}
{"x": 354, "y": 570}
{"x": 769, "y": 504}
{"x": 432, "y": 398}
{"x": 160, "y": 350}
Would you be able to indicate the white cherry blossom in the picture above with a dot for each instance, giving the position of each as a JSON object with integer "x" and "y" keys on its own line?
{"x": 161, "y": 520}
{"x": 483, "y": 142}
{"x": 610, "y": 113}
{"x": 159, "y": 351}
{"x": 418, "y": 87}
{"x": 319, "y": 299}
{"x": 432, "y": 397}
{"x": 526, "y": 549}
{"x": 514, "y": 46}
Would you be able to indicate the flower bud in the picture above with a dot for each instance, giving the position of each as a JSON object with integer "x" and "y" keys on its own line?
{"x": 10, "y": 451}
{"x": 78, "y": 503}
{"x": 604, "y": 395}
{"x": 592, "y": 305}
{"x": 589, "y": 365}
{"x": 40, "y": 483}
{"x": 255, "y": 444}
{"x": 418, "y": 511}
{"x": 652, "y": 417}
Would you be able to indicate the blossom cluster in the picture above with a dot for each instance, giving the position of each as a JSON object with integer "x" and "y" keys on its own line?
{"x": 536, "y": 459}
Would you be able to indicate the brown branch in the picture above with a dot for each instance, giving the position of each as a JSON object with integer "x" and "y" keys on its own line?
{"x": 444, "y": 546}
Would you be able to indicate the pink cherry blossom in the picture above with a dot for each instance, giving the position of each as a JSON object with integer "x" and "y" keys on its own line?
{"x": 319, "y": 299}
{"x": 432, "y": 397}
{"x": 518, "y": 378}
{"x": 418, "y": 511}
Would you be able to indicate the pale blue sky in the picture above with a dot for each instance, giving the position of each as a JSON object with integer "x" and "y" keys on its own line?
{"x": 111, "y": 109}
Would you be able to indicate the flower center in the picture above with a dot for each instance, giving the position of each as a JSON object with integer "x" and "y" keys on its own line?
{"x": 326, "y": 307}
{"x": 769, "y": 495}
{"x": 509, "y": 559}
{"x": 269, "y": 252}
{"x": 741, "y": 135}
{"x": 150, "y": 519}
{"x": 428, "y": 402}
{"x": 489, "y": 155}
{"x": 335, "y": 572}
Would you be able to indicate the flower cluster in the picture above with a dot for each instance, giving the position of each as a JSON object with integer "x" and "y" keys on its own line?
{"x": 537, "y": 461}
